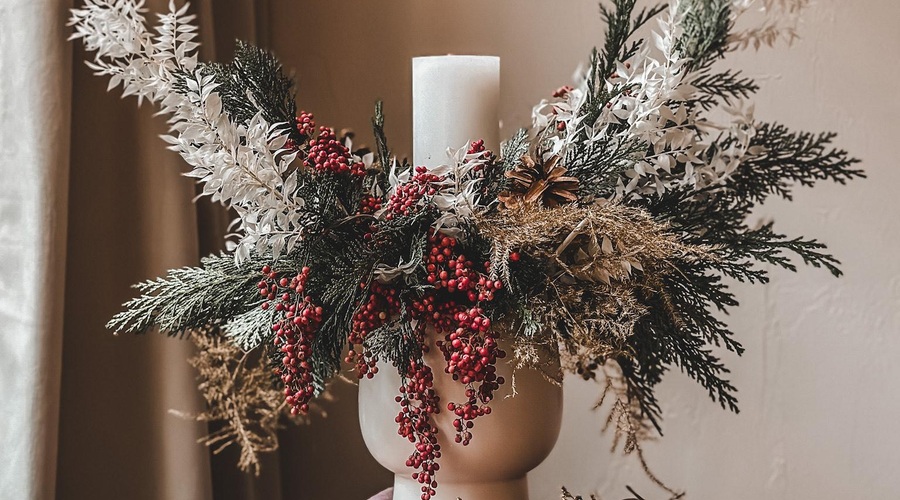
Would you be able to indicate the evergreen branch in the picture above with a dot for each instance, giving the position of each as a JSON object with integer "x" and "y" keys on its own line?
{"x": 395, "y": 342}
{"x": 765, "y": 245}
{"x": 250, "y": 329}
{"x": 726, "y": 86}
{"x": 599, "y": 164}
{"x": 192, "y": 297}
{"x": 706, "y": 26}
{"x": 790, "y": 158}
{"x": 718, "y": 221}
{"x": 341, "y": 262}
{"x": 621, "y": 26}
{"x": 690, "y": 294}
{"x": 255, "y": 82}
{"x": 384, "y": 153}
{"x": 597, "y": 97}
{"x": 514, "y": 149}
{"x": 381, "y": 147}
{"x": 662, "y": 338}
{"x": 512, "y": 152}
{"x": 642, "y": 371}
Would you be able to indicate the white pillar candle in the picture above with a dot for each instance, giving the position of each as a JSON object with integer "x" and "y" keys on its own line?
{"x": 455, "y": 102}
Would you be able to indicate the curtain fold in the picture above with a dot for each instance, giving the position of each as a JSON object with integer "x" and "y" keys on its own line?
{"x": 34, "y": 165}
{"x": 130, "y": 219}
{"x": 86, "y": 413}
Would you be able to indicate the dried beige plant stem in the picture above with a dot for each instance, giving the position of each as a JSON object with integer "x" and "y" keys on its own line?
{"x": 780, "y": 21}
{"x": 594, "y": 243}
{"x": 630, "y": 428}
{"x": 240, "y": 397}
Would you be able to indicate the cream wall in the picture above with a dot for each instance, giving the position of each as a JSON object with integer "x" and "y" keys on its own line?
{"x": 820, "y": 382}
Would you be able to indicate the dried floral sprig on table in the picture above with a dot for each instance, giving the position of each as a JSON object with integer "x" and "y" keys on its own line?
{"x": 608, "y": 229}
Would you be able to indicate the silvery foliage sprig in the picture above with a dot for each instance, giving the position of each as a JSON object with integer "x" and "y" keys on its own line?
{"x": 456, "y": 197}
{"x": 456, "y": 194}
{"x": 651, "y": 91}
{"x": 242, "y": 165}
{"x": 143, "y": 63}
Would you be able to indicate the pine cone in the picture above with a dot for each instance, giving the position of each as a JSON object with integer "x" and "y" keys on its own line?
{"x": 537, "y": 181}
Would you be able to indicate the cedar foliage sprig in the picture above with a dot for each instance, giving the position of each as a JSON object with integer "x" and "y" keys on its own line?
{"x": 255, "y": 81}
{"x": 189, "y": 298}
{"x": 790, "y": 159}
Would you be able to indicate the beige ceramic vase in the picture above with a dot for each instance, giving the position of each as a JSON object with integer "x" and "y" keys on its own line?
{"x": 517, "y": 436}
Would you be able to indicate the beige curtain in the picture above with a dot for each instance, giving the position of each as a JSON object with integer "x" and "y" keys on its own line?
{"x": 85, "y": 414}
{"x": 34, "y": 121}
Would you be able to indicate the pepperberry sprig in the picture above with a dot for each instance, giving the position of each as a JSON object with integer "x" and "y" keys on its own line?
{"x": 471, "y": 352}
{"x": 406, "y": 199}
{"x": 469, "y": 347}
{"x": 383, "y": 303}
{"x": 328, "y": 154}
{"x": 486, "y": 156}
{"x": 419, "y": 402}
{"x": 305, "y": 125}
{"x": 298, "y": 320}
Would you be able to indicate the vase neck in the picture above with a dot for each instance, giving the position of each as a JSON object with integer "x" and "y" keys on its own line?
{"x": 406, "y": 488}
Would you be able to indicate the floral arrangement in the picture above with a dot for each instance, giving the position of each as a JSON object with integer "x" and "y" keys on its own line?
{"x": 606, "y": 232}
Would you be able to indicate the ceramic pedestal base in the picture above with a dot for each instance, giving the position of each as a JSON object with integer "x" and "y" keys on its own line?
{"x": 518, "y": 434}
{"x": 406, "y": 487}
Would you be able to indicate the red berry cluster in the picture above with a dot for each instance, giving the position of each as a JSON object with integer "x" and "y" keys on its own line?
{"x": 369, "y": 204}
{"x": 298, "y": 321}
{"x": 418, "y": 402}
{"x": 305, "y": 127}
{"x": 382, "y": 303}
{"x": 471, "y": 352}
{"x": 439, "y": 314}
{"x": 478, "y": 147}
{"x": 470, "y": 349}
{"x": 454, "y": 272}
{"x": 306, "y": 124}
{"x": 407, "y": 196}
{"x": 326, "y": 153}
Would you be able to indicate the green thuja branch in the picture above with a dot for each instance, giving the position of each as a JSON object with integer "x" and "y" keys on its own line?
{"x": 788, "y": 159}
{"x": 381, "y": 148}
{"x": 514, "y": 149}
{"x": 255, "y": 82}
{"x": 680, "y": 327}
{"x": 706, "y": 25}
{"x": 766, "y": 246}
{"x": 395, "y": 342}
{"x": 622, "y": 23}
{"x": 621, "y": 26}
{"x": 723, "y": 87}
{"x": 599, "y": 164}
